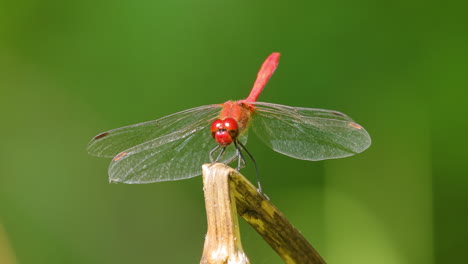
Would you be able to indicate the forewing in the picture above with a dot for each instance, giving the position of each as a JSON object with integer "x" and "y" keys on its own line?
{"x": 171, "y": 157}
{"x": 110, "y": 143}
{"x": 307, "y": 133}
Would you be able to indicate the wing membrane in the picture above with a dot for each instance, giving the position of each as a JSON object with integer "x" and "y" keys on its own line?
{"x": 172, "y": 157}
{"x": 307, "y": 133}
{"x": 170, "y": 148}
{"x": 112, "y": 142}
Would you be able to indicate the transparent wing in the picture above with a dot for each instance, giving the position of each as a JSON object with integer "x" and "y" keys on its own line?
{"x": 307, "y": 133}
{"x": 110, "y": 143}
{"x": 170, "y": 148}
{"x": 174, "y": 156}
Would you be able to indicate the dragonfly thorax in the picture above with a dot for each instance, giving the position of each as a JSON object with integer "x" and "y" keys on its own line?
{"x": 224, "y": 131}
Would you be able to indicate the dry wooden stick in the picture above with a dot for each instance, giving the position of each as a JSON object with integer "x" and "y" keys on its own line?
{"x": 222, "y": 241}
{"x": 257, "y": 210}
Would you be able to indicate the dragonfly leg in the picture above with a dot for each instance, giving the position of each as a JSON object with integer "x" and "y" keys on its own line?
{"x": 211, "y": 153}
{"x": 259, "y": 189}
{"x": 220, "y": 153}
{"x": 240, "y": 158}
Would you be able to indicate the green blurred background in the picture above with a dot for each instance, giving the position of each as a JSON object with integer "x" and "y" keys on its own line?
{"x": 72, "y": 69}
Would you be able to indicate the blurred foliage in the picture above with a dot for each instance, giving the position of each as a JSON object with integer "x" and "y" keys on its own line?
{"x": 71, "y": 69}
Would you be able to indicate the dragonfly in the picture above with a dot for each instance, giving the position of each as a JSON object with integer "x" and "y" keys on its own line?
{"x": 175, "y": 146}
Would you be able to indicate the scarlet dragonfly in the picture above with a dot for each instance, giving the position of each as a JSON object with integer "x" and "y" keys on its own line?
{"x": 174, "y": 147}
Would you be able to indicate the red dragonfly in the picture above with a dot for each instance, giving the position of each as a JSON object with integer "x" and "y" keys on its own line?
{"x": 174, "y": 147}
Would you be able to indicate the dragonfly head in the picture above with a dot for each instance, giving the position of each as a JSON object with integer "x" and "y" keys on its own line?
{"x": 224, "y": 131}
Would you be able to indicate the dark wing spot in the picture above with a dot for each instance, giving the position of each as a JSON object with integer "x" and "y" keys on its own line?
{"x": 352, "y": 124}
{"x": 120, "y": 156}
{"x": 101, "y": 135}
{"x": 337, "y": 113}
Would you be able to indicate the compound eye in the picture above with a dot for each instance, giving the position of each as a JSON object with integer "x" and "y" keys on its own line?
{"x": 230, "y": 124}
{"x": 224, "y": 131}
{"x": 216, "y": 125}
